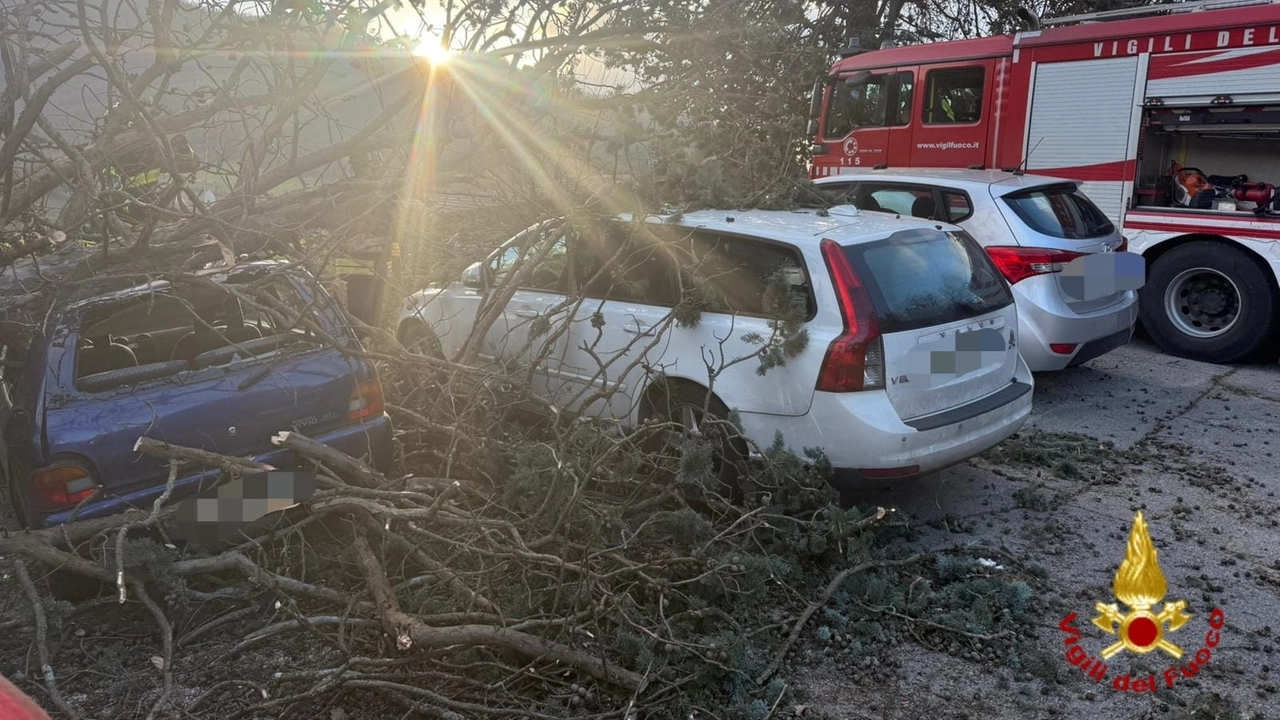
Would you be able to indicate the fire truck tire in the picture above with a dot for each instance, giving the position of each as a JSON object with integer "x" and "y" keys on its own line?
{"x": 1210, "y": 301}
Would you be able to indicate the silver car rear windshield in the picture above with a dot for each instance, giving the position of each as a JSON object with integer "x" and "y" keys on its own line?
{"x": 1060, "y": 211}
{"x": 919, "y": 278}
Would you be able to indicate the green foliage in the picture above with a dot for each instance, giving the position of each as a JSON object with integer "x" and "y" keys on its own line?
{"x": 1035, "y": 497}
{"x": 1069, "y": 456}
{"x": 697, "y": 464}
{"x": 687, "y": 314}
{"x": 747, "y": 710}
{"x": 686, "y": 528}
{"x": 1031, "y": 658}
{"x": 632, "y": 650}
{"x": 954, "y": 567}
{"x": 834, "y": 618}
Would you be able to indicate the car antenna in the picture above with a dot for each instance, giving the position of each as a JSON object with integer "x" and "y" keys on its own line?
{"x": 1022, "y": 169}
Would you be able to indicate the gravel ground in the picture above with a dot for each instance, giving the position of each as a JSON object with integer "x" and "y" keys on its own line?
{"x": 1191, "y": 445}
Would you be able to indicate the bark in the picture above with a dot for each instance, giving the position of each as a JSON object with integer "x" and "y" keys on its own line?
{"x": 353, "y": 470}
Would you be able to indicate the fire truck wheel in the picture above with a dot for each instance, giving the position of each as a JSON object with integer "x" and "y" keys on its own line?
{"x": 1209, "y": 301}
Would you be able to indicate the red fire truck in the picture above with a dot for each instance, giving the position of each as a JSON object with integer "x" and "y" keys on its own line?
{"x": 1169, "y": 116}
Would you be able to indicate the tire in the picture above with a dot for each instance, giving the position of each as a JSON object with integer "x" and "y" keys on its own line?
{"x": 1209, "y": 301}
{"x": 685, "y": 404}
{"x": 417, "y": 338}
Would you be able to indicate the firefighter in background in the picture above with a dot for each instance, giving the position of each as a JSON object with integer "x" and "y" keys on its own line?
{"x": 357, "y": 274}
{"x": 137, "y": 172}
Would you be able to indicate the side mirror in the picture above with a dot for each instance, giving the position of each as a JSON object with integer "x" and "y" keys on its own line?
{"x": 473, "y": 276}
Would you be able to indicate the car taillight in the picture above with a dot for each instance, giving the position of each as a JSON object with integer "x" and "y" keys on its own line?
{"x": 58, "y": 487}
{"x": 1020, "y": 263}
{"x": 1124, "y": 245}
{"x": 366, "y": 401}
{"x": 855, "y": 360}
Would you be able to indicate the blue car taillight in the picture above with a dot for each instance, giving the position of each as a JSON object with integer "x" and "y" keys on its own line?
{"x": 60, "y": 486}
{"x": 366, "y": 401}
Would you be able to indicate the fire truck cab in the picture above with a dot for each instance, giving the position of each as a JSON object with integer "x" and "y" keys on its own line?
{"x": 1169, "y": 116}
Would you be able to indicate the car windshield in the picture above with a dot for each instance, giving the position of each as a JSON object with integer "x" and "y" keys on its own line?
{"x": 1061, "y": 211}
{"x": 924, "y": 277}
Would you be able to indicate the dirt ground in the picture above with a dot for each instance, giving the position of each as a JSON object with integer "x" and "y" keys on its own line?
{"x": 1189, "y": 444}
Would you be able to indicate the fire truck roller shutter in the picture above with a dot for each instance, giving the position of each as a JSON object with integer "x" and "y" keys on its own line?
{"x": 1061, "y": 90}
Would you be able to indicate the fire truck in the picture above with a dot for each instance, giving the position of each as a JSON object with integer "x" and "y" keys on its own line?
{"x": 1167, "y": 115}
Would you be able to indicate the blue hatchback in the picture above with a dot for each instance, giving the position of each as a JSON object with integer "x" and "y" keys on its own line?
{"x": 221, "y": 362}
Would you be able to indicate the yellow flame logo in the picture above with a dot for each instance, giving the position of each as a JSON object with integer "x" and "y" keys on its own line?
{"x": 1140, "y": 584}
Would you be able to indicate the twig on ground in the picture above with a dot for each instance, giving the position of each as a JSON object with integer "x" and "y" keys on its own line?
{"x": 407, "y": 631}
{"x": 42, "y": 641}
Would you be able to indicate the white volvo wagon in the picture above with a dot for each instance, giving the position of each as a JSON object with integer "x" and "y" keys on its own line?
{"x": 897, "y": 340}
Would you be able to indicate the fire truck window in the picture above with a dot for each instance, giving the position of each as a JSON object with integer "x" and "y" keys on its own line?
{"x": 957, "y": 205}
{"x": 856, "y": 106}
{"x": 906, "y": 88}
{"x": 953, "y": 96}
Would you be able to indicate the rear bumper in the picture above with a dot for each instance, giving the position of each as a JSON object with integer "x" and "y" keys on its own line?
{"x": 861, "y": 431}
{"x": 1101, "y": 346}
{"x": 370, "y": 438}
{"x": 1043, "y": 318}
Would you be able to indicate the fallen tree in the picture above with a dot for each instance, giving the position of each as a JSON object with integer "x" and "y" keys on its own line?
{"x": 564, "y": 568}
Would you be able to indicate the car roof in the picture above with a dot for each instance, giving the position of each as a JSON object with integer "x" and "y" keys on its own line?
{"x": 1000, "y": 182}
{"x": 844, "y": 224}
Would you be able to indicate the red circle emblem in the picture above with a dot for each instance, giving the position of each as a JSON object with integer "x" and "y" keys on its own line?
{"x": 1143, "y": 632}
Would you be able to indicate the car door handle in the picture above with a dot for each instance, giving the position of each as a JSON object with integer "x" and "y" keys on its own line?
{"x": 526, "y": 313}
{"x": 638, "y": 329}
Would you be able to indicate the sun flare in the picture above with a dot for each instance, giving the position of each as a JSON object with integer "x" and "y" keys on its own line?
{"x": 433, "y": 52}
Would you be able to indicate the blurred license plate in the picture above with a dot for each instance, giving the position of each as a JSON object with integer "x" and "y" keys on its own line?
{"x": 1093, "y": 277}
{"x": 939, "y": 361}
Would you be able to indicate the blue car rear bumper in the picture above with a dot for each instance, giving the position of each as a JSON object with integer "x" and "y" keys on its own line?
{"x": 370, "y": 438}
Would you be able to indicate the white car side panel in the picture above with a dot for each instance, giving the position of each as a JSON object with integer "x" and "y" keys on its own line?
{"x": 449, "y": 312}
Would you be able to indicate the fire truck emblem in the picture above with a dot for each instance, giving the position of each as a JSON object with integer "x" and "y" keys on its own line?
{"x": 851, "y": 146}
{"x": 1140, "y": 585}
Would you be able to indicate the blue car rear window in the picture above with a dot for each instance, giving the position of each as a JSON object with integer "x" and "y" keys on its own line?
{"x": 162, "y": 333}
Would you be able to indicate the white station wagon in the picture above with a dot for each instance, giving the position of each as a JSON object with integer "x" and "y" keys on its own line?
{"x": 910, "y": 365}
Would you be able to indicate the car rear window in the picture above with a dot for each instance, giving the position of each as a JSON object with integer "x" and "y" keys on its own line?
{"x": 919, "y": 278}
{"x": 161, "y": 333}
{"x": 1061, "y": 211}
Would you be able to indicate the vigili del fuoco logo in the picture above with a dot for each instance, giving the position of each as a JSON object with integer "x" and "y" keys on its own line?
{"x": 1140, "y": 586}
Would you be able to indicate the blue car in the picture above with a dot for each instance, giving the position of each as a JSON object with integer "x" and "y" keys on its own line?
{"x": 189, "y": 363}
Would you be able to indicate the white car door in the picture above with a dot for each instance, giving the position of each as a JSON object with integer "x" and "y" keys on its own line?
{"x": 621, "y": 329}
{"x": 527, "y": 339}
